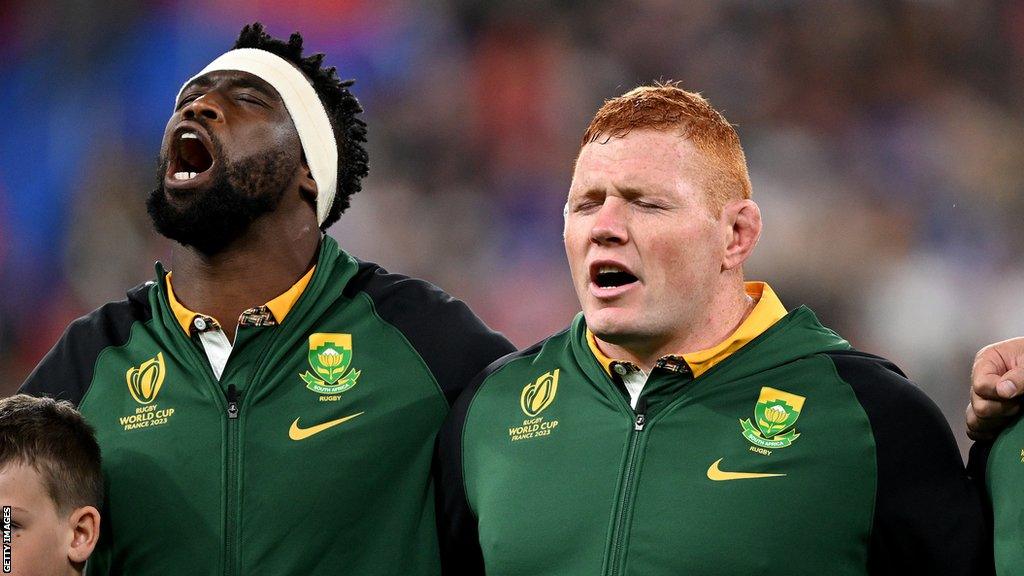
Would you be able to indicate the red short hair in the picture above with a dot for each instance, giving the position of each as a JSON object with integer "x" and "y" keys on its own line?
{"x": 667, "y": 107}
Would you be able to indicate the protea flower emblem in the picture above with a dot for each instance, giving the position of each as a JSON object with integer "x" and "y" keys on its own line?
{"x": 775, "y": 414}
{"x": 539, "y": 395}
{"x": 145, "y": 381}
{"x": 330, "y": 356}
{"x": 773, "y": 419}
{"x": 329, "y": 362}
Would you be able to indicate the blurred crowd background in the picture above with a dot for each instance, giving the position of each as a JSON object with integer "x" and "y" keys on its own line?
{"x": 884, "y": 140}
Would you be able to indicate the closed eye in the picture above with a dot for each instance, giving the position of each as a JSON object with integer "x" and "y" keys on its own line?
{"x": 586, "y": 206}
{"x": 188, "y": 98}
{"x": 250, "y": 99}
{"x": 647, "y": 205}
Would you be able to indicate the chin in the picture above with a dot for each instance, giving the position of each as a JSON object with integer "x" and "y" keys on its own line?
{"x": 182, "y": 200}
{"x": 610, "y": 324}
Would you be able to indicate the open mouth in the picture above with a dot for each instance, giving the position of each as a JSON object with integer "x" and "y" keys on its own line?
{"x": 611, "y": 276}
{"x": 190, "y": 156}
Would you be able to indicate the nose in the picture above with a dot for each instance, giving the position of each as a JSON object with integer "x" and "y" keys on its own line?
{"x": 203, "y": 106}
{"x": 610, "y": 225}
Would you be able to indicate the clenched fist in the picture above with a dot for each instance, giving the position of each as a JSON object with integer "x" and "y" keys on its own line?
{"x": 997, "y": 384}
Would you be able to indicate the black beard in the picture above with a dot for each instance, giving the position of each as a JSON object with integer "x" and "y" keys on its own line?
{"x": 239, "y": 194}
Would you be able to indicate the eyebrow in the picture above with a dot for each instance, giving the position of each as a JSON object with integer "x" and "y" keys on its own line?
{"x": 258, "y": 85}
{"x": 627, "y": 192}
{"x": 591, "y": 193}
{"x": 201, "y": 82}
{"x": 243, "y": 82}
{"x": 631, "y": 192}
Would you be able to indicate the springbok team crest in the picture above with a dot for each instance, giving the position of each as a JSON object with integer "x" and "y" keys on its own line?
{"x": 146, "y": 379}
{"x": 540, "y": 394}
{"x": 330, "y": 356}
{"x": 775, "y": 413}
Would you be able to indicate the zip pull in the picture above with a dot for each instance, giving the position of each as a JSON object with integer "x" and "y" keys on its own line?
{"x": 641, "y": 414}
{"x": 232, "y": 402}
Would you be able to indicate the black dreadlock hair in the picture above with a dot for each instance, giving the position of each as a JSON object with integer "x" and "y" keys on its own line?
{"x": 342, "y": 110}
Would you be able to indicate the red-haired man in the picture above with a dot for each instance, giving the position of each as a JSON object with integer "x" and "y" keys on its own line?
{"x": 686, "y": 423}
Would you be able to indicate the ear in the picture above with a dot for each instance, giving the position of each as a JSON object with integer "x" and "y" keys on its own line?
{"x": 85, "y": 531}
{"x": 307, "y": 186}
{"x": 742, "y": 220}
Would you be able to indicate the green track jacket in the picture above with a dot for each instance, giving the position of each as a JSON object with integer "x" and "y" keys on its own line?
{"x": 795, "y": 455}
{"x": 311, "y": 455}
{"x": 1000, "y": 465}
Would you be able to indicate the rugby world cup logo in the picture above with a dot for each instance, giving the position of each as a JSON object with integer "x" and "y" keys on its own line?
{"x": 540, "y": 394}
{"x": 145, "y": 380}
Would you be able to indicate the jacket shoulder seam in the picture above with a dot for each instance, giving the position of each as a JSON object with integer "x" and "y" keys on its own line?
{"x": 493, "y": 369}
{"x": 874, "y": 493}
{"x": 409, "y": 345}
{"x": 106, "y": 351}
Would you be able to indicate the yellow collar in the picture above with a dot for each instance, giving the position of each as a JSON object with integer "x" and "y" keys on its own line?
{"x": 279, "y": 306}
{"x": 766, "y": 312}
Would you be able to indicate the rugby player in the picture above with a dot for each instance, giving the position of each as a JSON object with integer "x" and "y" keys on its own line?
{"x": 997, "y": 379}
{"x": 686, "y": 422}
{"x": 270, "y": 406}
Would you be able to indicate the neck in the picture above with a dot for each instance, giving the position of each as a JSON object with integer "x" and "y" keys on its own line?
{"x": 710, "y": 327}
{"x": 253, "y": 270}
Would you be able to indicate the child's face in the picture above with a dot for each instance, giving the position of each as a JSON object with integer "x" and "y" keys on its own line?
{"x": 40, "y": 538}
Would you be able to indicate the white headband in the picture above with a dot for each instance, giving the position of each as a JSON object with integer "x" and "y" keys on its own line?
{"x": 305, "y": 108}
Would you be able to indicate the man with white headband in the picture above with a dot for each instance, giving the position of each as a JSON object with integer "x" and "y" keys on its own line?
{"x": 271, "y": 406}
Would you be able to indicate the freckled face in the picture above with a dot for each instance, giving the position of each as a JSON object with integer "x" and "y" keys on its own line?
{"x": 643, "y": 248}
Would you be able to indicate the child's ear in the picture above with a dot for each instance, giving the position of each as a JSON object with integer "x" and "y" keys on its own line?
{"x": 84, "y": 524}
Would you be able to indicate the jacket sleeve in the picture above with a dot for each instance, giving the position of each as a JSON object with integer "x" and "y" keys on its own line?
{"x": 66, "y": 372}
{"x": 977, "y": 461}
{"x": 929, "y": 517}
{"x": 459, "y": 538}
{"x": 456, "y": 522}
{"x": 454, "y": 343}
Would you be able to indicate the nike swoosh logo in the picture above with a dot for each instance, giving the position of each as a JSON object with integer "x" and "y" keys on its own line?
{"x": 296, "y": 433}
{"x": 715, "y": 474}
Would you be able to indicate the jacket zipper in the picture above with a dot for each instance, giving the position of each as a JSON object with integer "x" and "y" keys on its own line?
{"x": 231, "y": 504}
{"x": 626, "y": 496}
{"x": 233, "y": 409}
